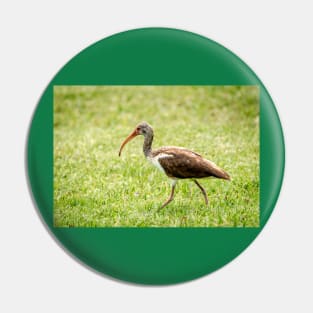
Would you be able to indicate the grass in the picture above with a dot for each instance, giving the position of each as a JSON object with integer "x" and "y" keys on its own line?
{"x": 93, "y": 187}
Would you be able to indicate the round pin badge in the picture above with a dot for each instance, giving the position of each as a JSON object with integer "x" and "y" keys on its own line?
{"x": 155, "y": 156}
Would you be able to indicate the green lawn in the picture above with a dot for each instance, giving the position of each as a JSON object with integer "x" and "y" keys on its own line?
{"x": 93, "y": 187}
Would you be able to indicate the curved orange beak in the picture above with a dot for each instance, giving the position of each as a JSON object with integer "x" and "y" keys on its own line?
{"x": 132, "y": 135}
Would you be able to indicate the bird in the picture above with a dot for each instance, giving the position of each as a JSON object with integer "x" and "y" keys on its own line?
{"x": 175, "y": 162}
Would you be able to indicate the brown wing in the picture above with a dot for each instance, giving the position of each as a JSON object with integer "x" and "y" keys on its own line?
{"x": 183, "y": 163}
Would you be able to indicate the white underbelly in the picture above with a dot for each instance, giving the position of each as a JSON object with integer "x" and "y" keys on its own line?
{"x": 155, "y": 160}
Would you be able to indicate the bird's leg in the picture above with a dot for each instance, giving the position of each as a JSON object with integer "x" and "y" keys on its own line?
{"x": 170, "y": 197}
{"x": 203, "y": 192}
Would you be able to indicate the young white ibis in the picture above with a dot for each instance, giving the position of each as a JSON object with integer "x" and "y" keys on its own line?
{"x": 176, "y": 162}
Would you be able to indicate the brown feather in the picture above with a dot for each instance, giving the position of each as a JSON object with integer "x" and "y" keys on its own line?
{"x": 184, "y": 163}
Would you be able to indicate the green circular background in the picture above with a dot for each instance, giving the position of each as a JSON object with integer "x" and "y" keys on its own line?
{"x": 154, "y": 56}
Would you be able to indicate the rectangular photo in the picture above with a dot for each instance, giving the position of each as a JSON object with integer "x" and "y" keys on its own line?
{"x": 156, "y": 156}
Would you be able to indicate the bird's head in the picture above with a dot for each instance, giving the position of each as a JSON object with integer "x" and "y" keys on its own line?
{"x": 142, "y": 128}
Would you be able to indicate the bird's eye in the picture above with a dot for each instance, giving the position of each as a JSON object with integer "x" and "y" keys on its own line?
{"x": 138, "y": 128}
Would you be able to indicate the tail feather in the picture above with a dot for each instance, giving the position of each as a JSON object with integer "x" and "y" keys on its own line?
{"x": 225, "y": 175}
{"x": 217, "y": 171}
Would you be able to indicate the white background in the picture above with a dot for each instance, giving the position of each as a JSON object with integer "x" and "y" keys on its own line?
{"x": 274, "y": 38}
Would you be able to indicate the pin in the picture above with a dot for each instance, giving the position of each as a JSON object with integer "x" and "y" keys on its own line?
{"x": 212, "y": 118}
